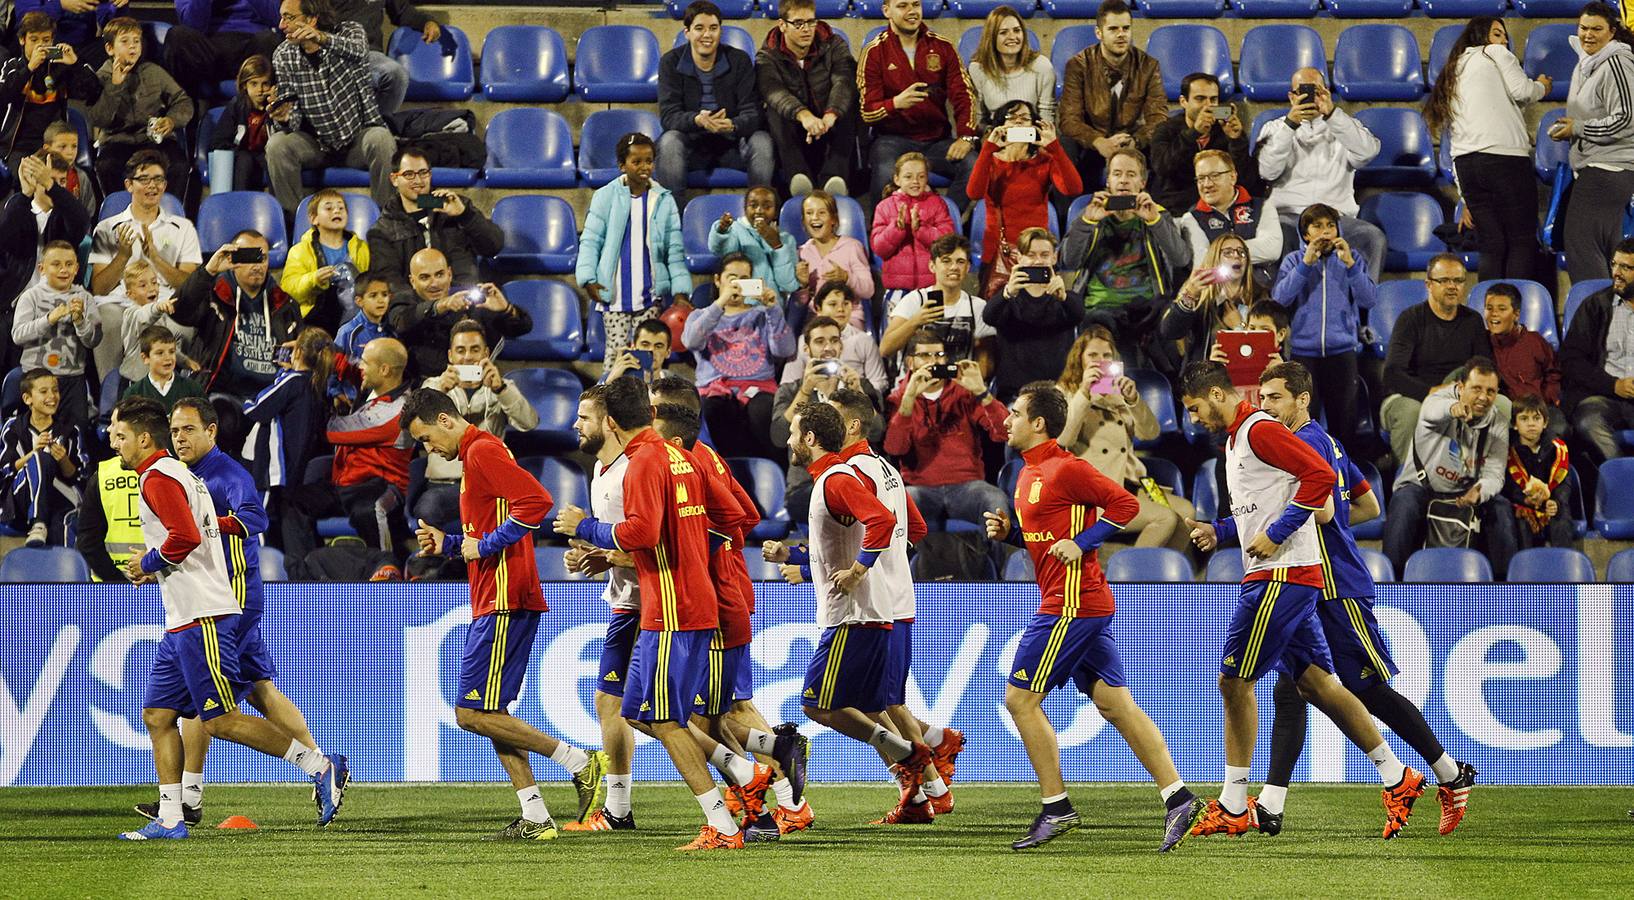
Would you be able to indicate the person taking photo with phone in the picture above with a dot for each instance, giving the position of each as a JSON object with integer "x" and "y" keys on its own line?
{"x": 945, "y": 306}
{"x": 242, "y": 317}
{"x": 739, "y": 339}
{"x": 1032, "y": 317}
{"x": 1203, "y": 122}
{"x": 1019, "y": 162}
{"x": 421, "y": 216}
{"x": 1216, "y": 296}
{"x": 424, "y": 316}
{"x": 817, "y": 375}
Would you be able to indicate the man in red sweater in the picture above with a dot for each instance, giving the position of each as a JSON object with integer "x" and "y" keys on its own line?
{"x": 908, "y": 77}
{"x": 936, "y": 426}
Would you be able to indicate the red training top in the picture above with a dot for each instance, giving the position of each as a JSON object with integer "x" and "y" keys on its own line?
{"x": 493, "y": 490}
{"x": 726, "y": 565}
{"x": 666, "y": 530}
{"x": 1057, "y": 497}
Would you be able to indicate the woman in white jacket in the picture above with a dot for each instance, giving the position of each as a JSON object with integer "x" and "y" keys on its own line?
{"x": 1476, "y": 104}
{"x": 1599, "y": 123}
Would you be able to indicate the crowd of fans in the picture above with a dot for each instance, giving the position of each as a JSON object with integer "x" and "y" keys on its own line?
{"x": 1194, "y": 242}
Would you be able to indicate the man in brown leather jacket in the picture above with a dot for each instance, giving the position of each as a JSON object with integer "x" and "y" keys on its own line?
{"x": 1112, "y": 97}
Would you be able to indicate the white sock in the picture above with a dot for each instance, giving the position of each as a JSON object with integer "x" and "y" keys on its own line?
{"x": 1445, "y": 768}
{"x": 1055, "y": 799}
{"x": 759, "y": 742}
{"x": 933, "y": 736}
{"x": 785, "y": 793}
{"x": 935, "y": 788}
{"x": 1234, "y": 792}
{"x": 618, "y": 794}
{"x": 1171, "y": 790}
{"x": 572, "y": 758}
{"x": 740, "y": 770}
{"x": 1390, "y": 768}
{"x": 193, "y": 788}
{"x": 170, "y": 805}
{"x": 714, "y": 807}
{"x": 309, "y": 759}
{"x": 1272, "y": 798}
{"x": 918, "y": 795}
{"x": 894, "y": 747}
{"x": 533, "y": 804}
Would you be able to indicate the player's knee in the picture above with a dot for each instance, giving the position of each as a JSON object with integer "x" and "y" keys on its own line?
{"x": 1232, "y": 687}
{"x": 157, "y": 720}
{"x": 469, "y": 719}
{"x": 820, "y": 716}
{"x": 1019, "y": 702}
{"x": 223, "y": 725}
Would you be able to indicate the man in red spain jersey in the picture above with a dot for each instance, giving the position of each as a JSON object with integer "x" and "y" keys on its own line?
{"x": 500, "y": 507}
{"x": 665, "y": 530}
{"x": 1065, "y": 509}
{"x": 1280, "y": 490}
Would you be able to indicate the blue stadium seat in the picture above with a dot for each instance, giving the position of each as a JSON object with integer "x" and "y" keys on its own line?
{"x": 1377, "y": 62}
{"x": 971, "y": 39}
{"x": 1368, "y": 9}
{"x": 319, "y": 471}
{"x": 540, "y": 234}
{"x": 1548, "y": 9}
{"x": 1225, "y": 566}
{"x": 558, "y": 332}
{"x": 1372, "y": 529}
{"x": 530, "y": 148}
{"x": 1549, "y": 153}
{"x": 1575, "y": 297}
{"x": 1261, "y": 119}
{"x": 1275, "y": 9}
{"x": 83, "y": 127}
{"x": 1205, "y": 491}
{"x": 1394, "y": 298}
{"x": 731, "y": 36}
{"x": 1548, "y": 53}
{"x": 272, "y": 564}
{"x": 595, "y": 336}
{"x": 524, "y": 64}
{"x": 45, "y": 565}
{"x": 826, "y": 9}
{"x": 598, "y": 141}
{"x": 432, "y": 74}
{"x": 1159, "y": 395}
{"x": 1071, "y": 9}
{"x": 1271, "y": 54}
{"x": 731, "y": 9}
{"x": 1408, "y": 221}
{"x": 616, "y": 64}
{"x": 201, "y": 147}
{"x": 701, "y": 215}
{"x": 1183, "y": 49}
{"x": 1181, "y": 9}
{"x": 11, "y": 392}
{"x": 759, "y": 568}
{"x": 1614, "y": 499}
{"x": 223, "y": 215}
{"x": 1009, "y": 475}
{"x": 1440, "y": 49}
{"x": 853, "y": 221}
{"x": 361, "y": 212}
{"x": 1462, "y": 9}
{"x": 763, "y": 479}
{"x": 1621, "y": 568}
{"x": 551, "y": 561}
{"x": 875, "y": 9}
{"x": 562, "y": 477}
{"x": 1406, "y": 153}
{"x": 1537, "y": 307}
{"x": 1166, "y": 474}
{"x": 1550, "y": 565}
{"x": 119, "y": 201}
{"x": 1455, "y": 565}
{"x": 1148, "y": 564}
{"x": 1378, "y": 566}
{"x": 978, "y": 9}
{"x": 554, "y": 393}
{"x": 1018, "y": 566}
{"x": 1579, "y": 511}
{"x": 1067, "y": 43}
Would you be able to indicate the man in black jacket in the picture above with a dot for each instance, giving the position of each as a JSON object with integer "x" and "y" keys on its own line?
{"x": 422, "y": 217}
{"x": 1597, "y": 360}
{"x": 808, "y": 79}
{"x": 1194, "y": 128}
{"x": 709, "y": 107}
{"x": 1035, "y": 319}
{"x": 43, "y": 192}
{"x": 423, "y": 317}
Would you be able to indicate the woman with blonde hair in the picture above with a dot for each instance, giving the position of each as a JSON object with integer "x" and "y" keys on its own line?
{"x": 1218, "y": 295}
{"x": 1007, "y": 68}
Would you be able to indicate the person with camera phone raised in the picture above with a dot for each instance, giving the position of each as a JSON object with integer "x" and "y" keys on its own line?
{"x": 738, "y": 340}
{"x": 1019, "y": 162}
{"x": 420, "y": 216}
{"x": 942, "y": 305}
{"x": 1032, "y": 316}
{"x": 35, "y": 87}
{"x": 1203, "y": 122}
{"x": 242, "y": 318}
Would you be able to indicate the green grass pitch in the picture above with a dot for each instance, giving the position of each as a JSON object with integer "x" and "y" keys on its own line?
{"x": 424, "y": 840}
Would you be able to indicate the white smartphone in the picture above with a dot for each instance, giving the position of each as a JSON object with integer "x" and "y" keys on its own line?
{"x": 751, "y": 288}
{"x": 1021, "y": 134}
{"x": 468, "y": 374}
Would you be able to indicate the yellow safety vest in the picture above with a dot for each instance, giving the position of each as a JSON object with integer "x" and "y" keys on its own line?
{"x": 116, "y": 485}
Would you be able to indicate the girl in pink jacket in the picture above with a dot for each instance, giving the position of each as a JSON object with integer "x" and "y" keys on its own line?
{"x": 906, "y": 222}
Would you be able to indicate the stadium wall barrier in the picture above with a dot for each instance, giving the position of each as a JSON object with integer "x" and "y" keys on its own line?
{"x": 1531, "y": 683}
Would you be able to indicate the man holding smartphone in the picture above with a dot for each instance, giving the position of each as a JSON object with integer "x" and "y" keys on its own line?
{"x": 425, "y": 316}
{"x": 1032, "y": 316}
{"x": 420, "y": 216}
{"x": 242, "y": 318}
{"x": 647, "y": 354}
{"x": 944, "y": 307}
{"x": 1201, "y": 123}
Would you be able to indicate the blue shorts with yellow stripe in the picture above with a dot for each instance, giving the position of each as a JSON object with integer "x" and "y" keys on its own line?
{"x": 726, "y": 670}
{"x": 616, "y": 648}
{"x": 497, "y": 648}
{"x": 254, "y": 659}
{"x": 669, "y": 671}
{"x": 196, "y": 671}
{"x": 1274, "y": 624}
{"x": 847, "y": 669}
{"x": 1055, "y": 648}
{"x": 1361, "y": 658}
{"x": 898, "y": 660}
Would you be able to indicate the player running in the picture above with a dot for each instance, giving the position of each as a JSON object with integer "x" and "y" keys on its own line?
{"x": 196, "y": 672}
{"x": 1276, "y": 483}
{"x": 1065, "y": 509}
{"x": 1352, "y": 631}
{"x": 501, "y": 505}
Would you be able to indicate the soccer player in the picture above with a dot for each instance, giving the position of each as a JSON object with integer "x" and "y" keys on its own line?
{"x": 1277, "y": 483}
{"x": 196, "y": 672}
{"x": 665, "y": 530}
{"x": 501, "y": 505}
{"x": 849, "y": 564}
{"x": 242, "y": 520}
{"x": 1065, "y": 509}
{"x": 1346, "y": 612}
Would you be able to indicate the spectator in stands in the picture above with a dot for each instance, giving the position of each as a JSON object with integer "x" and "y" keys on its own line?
{"x": 1537, "y": 486}
{"x": 1597, "y": 361}
{"x": 825, "y": 373}
{"x": 1224, "y": 206}
{"x": 646, "y": 355}
{"x": 808, "y": 79}
{"x": 710, "y": 107}
{"x": 140, "y": 107}
{"x": 79, "y": 24}
{"x": 162, "y": 383}
{"x": 1015, "y": 177}
{"x": 1105, "y": 416}
{"x": 244, "y": 126}
{"x": 369, "y": 476}
{"x": 630, "y": 252}
{"x": 960, "y": 322}
{"x": 242, "y": 318}
{"x": 424, "y": 316}
{"x": 1007, "y": 68}
{"x": 55, "y": 327}
{"x": 739, "y": 340}
{"x": 857, "y": 348}
{"x": 1326, "y": 284}
{"x": 43, "y": 462}
{"x": 144, "y": 230}
{"x": 62, "y": 143}
{"x": 43, "y": 210}
{"x": 391, "y": 80}
{"x": 1123, "y": 258}
{"x": 909, "y": 77}
{"x": 1112, "y": 95}
{"x": 141, "y": 285}
{"x": 373, "y": 302}
{"x": 936, "y": 424}
{"x": 1526, "y": 362}
{"x": 109, "y": 529}
{"x": 828, "y": 257}
{"x": 770, "y": 250}
{"x": 1599, "y": 123}
{"x": 333, "y": 119}
{"x": 1032, "y": 318}
{"x": 1271, "y": 317}
{"x": 489, "y": 401}
{"x": 36, "y": 86}
{"x": 212, "y": 38}
{"x": 1216, "y": 296}
{"x": 1451, "y": 489}
{"x": 1188, "y": 132}
{"x": 418, "y": 217}
{"x": 1477, "y": 103}
{"x": 322, "y": 268}
{"x": 906, "y": 223}
{"x": 1311, "y": 156}
{"x": 286, "y": 419}
{"x": 1427, "y": 343}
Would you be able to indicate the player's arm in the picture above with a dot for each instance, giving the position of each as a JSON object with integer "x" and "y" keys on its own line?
{"x": 1277, "y": 445}
{"x": 528, "y": 499}
{"x": 644, "y": 483}
{"x": 1082, "y": 483}
{"x": 917, "y": 529}
{"x": 848, "y": 496}
{"x": 168, "y": 500}
{"x": 245, "y": 514}
{"x": 1364, "y": 501}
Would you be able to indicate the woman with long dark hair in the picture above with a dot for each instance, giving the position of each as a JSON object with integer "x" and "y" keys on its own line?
{"x": 1014, "y": 177}
{"x": 1599, "y": 123}
{"x": 1476, "y": 105}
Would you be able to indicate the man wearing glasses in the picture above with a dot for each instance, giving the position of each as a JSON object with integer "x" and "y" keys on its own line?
{"x": 1224, "y": 206}
{"x": 1195, "y": 127}
{"x": 419, "y": 216}
{"x": 808, "y": 79}
{"x": 143, "y": 230}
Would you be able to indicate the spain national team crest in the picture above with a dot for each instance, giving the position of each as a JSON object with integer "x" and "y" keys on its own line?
{"x": 1035, "y": 491}
{"x": 933, "y": 62}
